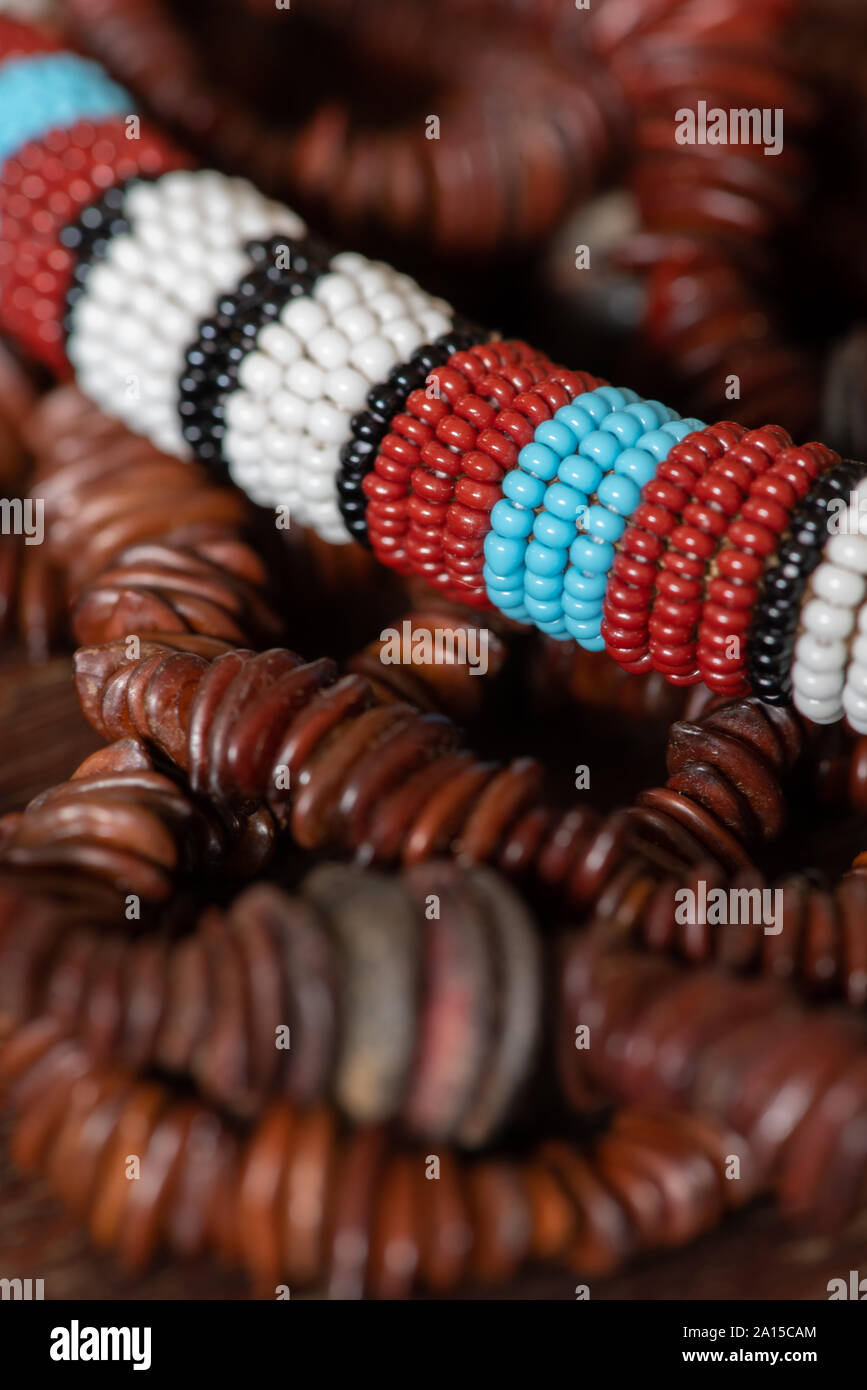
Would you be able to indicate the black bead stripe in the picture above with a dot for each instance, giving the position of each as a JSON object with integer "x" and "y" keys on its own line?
{"x": 224, "y": 339}
{"x": 777, "y": 614}
{"x": 384, "y": 401}
{"x": 89, "y": 235}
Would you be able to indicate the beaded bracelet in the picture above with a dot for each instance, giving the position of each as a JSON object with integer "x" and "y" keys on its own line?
{"x": 669, "y": 537}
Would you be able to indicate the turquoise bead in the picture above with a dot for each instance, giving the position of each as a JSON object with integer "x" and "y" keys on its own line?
{"x": 647, "y": 415}
{"x": 557, "y": 628}
{"x": 502, "y": 553}
{"x": 622, "y": 495}
{"x": 665, "y": 411}
{"x": 679, "y": 429}
{"x": 543, "y": 612}
{"x": 586, "y": 587}
{"x": 625, "y": 428}
{"x": 637, "y": 465}
{"x": 511, "y": 601}
{"x": 608, "y": 526}
{"x": 539, "y": 460}
{"x": 543, "y": 585}
{"x": 561, "y": 501}
{"x": 613, "y": 398}
{"x": 596, "y": 406}
{"x": 657, "y": 443}
{"x": 580, "y": 610}
{"x": 581, "y": 474}
{"x": 510, "y": 521}
{"x": 556, "y": 435}
{"x": 542, "y": 559}
{"x": 522, "y": 488}
{"x": 596, "y": 557}
{"x": 602, "y": 448}
{"x": 583, "y": 630}
{"x": 550, "y": 530}
{"x": 579, "y": 421}
{"x": 502, "y": 582}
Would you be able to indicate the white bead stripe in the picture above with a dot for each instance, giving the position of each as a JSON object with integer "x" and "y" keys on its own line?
{"x": 143, "y": 304}
{"x": 837, "y": 588}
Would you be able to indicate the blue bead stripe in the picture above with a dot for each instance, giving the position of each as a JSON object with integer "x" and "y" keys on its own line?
{"x": 47, "y": 91}
{"x": 592, "y": 553}
{"x": 566, "y": 504}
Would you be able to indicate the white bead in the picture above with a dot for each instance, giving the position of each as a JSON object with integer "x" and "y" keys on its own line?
{"x": 825, "y": 620}
{"x": 155, "y": 237}
{"x": 183, "y": 219}
{"x": 163, "y": 358}
{"x": 318, "y": 482}
{"x": 434, "y": 322}
{"x": 329, "y": 347}
{"x": 374, "y": 357}
{"x": 142, "y": 201}
{"x": 839, "y": 586}
{"x": 347, "y": 388}
{"x": 388, "y": 305}
{"x": 405, "y": 334}
{"x": 179, "y": 186}
{"x": 92, "y": 319}
{"x": 819, "y": 711}
{"x": 819, "y": 655}
{"x": 328, "y": 423}
{"x": 288, "y": 410}
{"x": 305, "y": 379}
{"x": 245, "y": 413}
{"x": 849, "y": 551}
{"x": 304, "y": 316}
{"x": 357, "y": 323}
{"x": 124, "y": 252}
{"x": 856, "y": 678}
{"x": 197, "y": 294}
{"x": 337, "y": 292}
{"x": 225, "y": 268}
{"x": 259, "y": 374}
{"x": 278, "y": 342}
{"x": 819, "y": 685}
{"x": 372, "y": 282}
{"x": 241, "y": 448}
{"x": 350, "y": 262}
{"x": 859, "y": 649}
{"x": 281, "y": 444}
{"x": 107, "y": 284}
{"x": 855, "y": 707}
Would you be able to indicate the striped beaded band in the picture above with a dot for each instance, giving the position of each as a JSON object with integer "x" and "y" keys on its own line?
{"x": 383, "y": 401}
{"x": 52, "y": 200}
{"x": 153, "y": 286}
{"x": 474, "y": 383}
{"x": 361, "y": 320}
{"x": 777, "y": 611}
{"x": 551, "y": 548}
{"x": 735, "y": 571}
{"x": 226, "y": 347}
